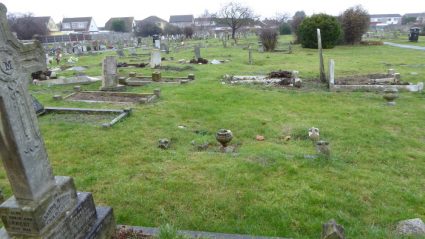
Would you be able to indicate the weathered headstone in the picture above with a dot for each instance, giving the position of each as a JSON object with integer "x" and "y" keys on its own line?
{"x": 110, "y": 77}
{"x": 158, "y": 44}
{"x": 331, "y": 72}
{"x": 120, "y": 53}
{"x": 322, "y": 66}
{"x": 132, "y": 51}
{"x": 155, "y": 58}
{"x": 197, "y": 52}
{"x": 43, "y": 206}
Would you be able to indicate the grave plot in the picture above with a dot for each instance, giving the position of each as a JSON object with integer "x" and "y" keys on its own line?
{"x": 90, "y": 116}
{"x": 371, "y": 82}
{"x": 113, "y": 97}
{"x": 135, "y": 80}
{"x": 275, "y": 78}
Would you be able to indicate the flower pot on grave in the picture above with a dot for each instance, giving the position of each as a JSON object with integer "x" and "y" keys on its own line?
{"x": 390, "y": 94}
{"x": 224, "y": 136}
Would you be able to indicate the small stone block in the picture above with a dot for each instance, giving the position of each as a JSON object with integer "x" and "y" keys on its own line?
{"x": 57, "y": 97}
{"x": 184, "y": 82}
{"x": 157, "y": 92}
{"x": 77, "y": 88}
{"x": 332, "y": 230}
{"x": 132, "y": 74}
{"x": 191, "y": 77}
{"x": 156, "y": 76}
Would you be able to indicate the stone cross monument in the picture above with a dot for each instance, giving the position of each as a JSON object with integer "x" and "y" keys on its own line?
{"x": 43, "y": 206}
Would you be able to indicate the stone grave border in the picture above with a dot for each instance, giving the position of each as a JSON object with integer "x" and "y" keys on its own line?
{"x": 143, "y": 98}
{"x": 121, "y": 114}
{"x": 153, "y": 231}
{"x": 135, "y": 80}
{"x": 392, "y": 77}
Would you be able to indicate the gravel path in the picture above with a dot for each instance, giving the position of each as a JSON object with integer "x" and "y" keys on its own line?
{"x": 420, "y": 48}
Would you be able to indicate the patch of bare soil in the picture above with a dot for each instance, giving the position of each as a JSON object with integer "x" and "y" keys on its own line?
{"x": 124, "y": 232}
{"x": 280, "y": 74}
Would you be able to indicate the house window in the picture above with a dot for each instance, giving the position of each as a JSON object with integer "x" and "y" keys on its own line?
{"x": 66, "y": 26}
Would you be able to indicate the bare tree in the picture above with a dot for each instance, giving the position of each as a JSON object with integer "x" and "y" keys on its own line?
{"x": 235, "y": 15}
{"x": 25, "y": 26}
{"x": 281, "y": 17}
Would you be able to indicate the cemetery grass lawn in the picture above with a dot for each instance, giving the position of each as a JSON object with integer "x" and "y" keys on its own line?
{"x": 374, "y": 179}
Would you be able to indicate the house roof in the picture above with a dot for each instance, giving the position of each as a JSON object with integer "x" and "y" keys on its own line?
{"x": 181, "y": 18}
{"x": 128, "y": 21}
{"x": 153, "y": 19}
{"x": 77, "y": 19}
{"x": 415, "y": 14}
{"x": 384, "y": 15}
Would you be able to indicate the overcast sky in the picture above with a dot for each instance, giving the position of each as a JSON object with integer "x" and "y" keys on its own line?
{"x": 103, "y": 10}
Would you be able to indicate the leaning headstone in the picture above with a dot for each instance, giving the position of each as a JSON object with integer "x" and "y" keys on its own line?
{"x": 43, "y": 206}
{"x": 322, "y": 66}
{"x": 197, "y": 52}
{"x": 155, "y": 58}
{"x": 110, "y": 77}
{"x": 332, "y": 230}
{"x": 411, "y": 227}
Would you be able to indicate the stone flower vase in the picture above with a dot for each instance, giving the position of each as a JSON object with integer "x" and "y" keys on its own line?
{"x": 224, "y": 136}
{"x": 390, "y": 94}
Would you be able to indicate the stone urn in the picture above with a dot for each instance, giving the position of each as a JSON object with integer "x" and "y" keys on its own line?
{"x": 224, "y": 136}
{"x": 390, "y": 94}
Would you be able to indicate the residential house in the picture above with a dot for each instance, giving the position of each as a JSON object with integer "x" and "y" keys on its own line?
{"x": 204, "y": 25}
{"x": 129, "y": 23}
{"x": 420, "y": 17}
{"x": 45, "y": 24}
{"x": 182, "y": 20}
{"x": 79, "y": 24}
{"x": 161, "y": 23}
{"x": 382, "y": 20}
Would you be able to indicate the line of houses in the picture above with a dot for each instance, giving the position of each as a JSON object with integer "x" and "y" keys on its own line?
{"x": 88, "y": 25}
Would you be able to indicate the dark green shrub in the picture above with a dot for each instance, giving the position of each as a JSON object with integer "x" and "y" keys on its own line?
{"x": 118, "y": 26}
{"x": 269, "y": 37}
{"x": 285, "y": 29}
{"x": 329, "y": 27}
{"x": 144, "y": 29}
{"x": 354, "y": 23}
{"x": 188, "y": 32}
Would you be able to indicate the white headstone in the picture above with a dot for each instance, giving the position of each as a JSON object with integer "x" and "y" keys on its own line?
{"x": 155, "y": 58}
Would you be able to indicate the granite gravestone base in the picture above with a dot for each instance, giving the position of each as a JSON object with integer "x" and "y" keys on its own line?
{"x": 43, "y": 206}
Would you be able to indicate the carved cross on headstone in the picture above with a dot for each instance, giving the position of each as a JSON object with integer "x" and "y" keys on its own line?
{"x": 24, "y": 155}
{"x": 43, "y": 206}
